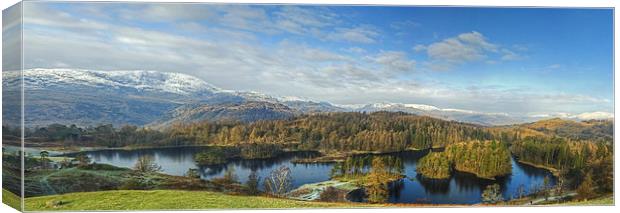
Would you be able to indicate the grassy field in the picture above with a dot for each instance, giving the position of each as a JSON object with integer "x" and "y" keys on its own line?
{"x": 11, "y": 199}
{"x": 601, "y": 201}
{"x": 166, "y": 200}
{"x": 102, "y": 177}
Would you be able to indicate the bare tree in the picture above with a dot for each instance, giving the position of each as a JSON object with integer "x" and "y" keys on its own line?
{"x": 83, "y": 160}
{"x": 147, "y": 164}
{"x": 279, "y": 181}
{"x": 492, "y": 194}
{"x": 521, "y": 191}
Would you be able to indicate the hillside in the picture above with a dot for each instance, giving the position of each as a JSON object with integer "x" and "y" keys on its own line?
{"x": 597, "y": 130}
{"x": 85, "y": 97}
{"x": 242, "y": 112}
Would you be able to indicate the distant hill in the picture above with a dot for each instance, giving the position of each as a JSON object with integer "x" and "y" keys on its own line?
{"x": 485, "y": 119}
{"x": 242, "y": 112}
{"x": 598, "y": 130}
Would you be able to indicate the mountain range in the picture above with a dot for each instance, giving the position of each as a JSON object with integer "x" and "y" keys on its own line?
{"x": 160, "y": 99}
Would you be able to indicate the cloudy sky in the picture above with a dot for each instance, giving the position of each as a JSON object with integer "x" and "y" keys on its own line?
{"x": 496, "y": 60}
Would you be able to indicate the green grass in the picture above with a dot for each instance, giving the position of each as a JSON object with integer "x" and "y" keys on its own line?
{"x": 11, "y": 199}
{"x": 166, "y": 200}
{"x": 46, "y": 182}
{"x": 601, "y": 201}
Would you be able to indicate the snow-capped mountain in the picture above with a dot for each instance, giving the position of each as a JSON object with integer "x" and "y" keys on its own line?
{"x": 462, "y": 115}
{"x": 86, "y": 97}
{"x": 145, "y": 81}
{"x": 303, "y": 105}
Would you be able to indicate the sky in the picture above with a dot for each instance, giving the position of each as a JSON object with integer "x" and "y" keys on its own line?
{"x": 520, "y": 61}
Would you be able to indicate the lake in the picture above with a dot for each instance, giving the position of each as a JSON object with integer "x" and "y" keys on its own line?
{"x": 461, "y": 188}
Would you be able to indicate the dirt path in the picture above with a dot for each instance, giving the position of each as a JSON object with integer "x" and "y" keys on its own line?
{"x": 317, "y": 189}
{"x": 48, "y": 189}
{"x": 552, "y": 198}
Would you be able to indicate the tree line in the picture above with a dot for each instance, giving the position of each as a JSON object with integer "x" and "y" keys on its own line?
{"x": 578, "y": 162}
{"x": 342, "y": 131}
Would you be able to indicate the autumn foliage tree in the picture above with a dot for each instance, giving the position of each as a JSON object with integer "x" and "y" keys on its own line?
{"x": 376, "y": 185}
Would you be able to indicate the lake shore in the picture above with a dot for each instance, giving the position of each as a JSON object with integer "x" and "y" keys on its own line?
{"x": 554, "y": 171}
{"x": 335, "y": 157}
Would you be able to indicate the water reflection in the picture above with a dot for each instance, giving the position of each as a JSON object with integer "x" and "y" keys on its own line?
{"x": 461, "y": 188}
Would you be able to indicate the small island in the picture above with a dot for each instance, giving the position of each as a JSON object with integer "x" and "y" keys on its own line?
{"x": 485, "y": 159}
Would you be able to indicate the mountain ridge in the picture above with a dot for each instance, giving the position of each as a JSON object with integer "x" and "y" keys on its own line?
{"x": 139, "y": 97}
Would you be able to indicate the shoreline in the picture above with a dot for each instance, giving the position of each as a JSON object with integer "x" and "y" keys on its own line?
{"x": 555, "y": 172}
{"x": 334, "y": 157}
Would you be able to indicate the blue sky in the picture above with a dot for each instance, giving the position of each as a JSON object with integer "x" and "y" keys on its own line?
{"x": 520, "y": 61}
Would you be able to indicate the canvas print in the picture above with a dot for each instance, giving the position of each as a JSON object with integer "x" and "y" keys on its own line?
{"x": 197, "y": 106}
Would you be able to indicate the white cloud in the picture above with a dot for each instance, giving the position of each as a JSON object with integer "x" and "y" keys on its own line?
{"x": 394, "y": 61}
{"x": 598, "y": 115}
{"x": 298, "y": 19}
{"x": 419, "y": 48}
{"x": 404, "y": 25}
{"x": 356, "y": 50}
{"x": 355, "y": 34}
{"x": 476, "y": 39}
{"x": 465, "y": 47}
{"x": 170, "y": 12}
{"x": 595, "y": 115}
{"x": 509, "y": 55}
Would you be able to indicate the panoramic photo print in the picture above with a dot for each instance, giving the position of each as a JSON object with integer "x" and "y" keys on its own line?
{"x": 176, "y": 106}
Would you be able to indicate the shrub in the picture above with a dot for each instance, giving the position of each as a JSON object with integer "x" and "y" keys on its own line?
{"x": 330, "y": 194}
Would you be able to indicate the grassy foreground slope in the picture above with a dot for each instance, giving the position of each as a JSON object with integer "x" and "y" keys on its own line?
{"x": 11, "y": 199}
{"x": 601, "y": 201}
{"x": 166, "y": 199}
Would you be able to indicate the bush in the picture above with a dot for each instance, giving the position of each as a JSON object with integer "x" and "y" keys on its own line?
{"x": 146, "y": 164}
{"x": 132, "y": 184}
{"x": 330, "y": 194}
{"x": 192, "y": 173}
{"x": 212, "y": 156}
{"x": 53, "y": 203}
{"x": 492, "y": 194}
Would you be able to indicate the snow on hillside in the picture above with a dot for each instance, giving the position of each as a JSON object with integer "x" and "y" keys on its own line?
{"x": 186, "y": 85}
{"x": 141, "y": 80}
